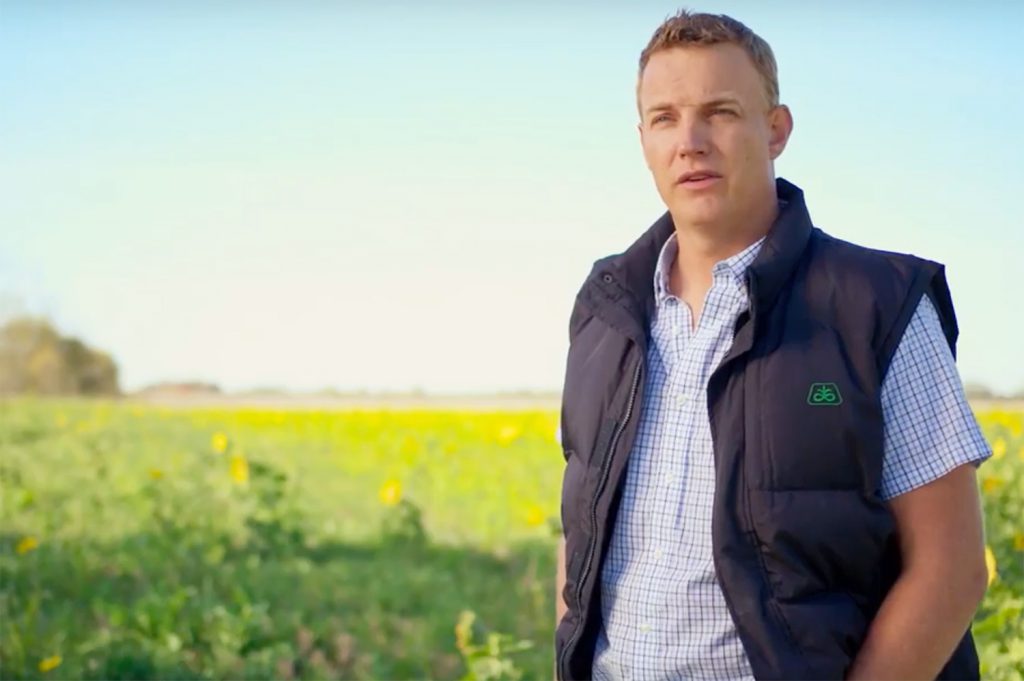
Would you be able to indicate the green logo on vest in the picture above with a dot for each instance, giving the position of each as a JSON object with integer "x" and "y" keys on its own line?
{"x": 824, "y": 395}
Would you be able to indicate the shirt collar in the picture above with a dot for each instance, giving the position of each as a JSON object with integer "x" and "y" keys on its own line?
{"x": 734, "y": 266}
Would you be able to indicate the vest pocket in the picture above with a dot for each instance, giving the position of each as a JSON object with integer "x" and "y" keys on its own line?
{"x": 572, "y": 572}
{"x": 820, "y": 539}
{"x": 822, "y": 550}
{"x": 830, "y": 628}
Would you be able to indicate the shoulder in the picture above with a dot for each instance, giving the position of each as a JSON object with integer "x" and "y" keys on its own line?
{"x": 865, "y": 265}
{"x": 872, "y": 291}
{"x": 922, "y": 347}
{"x": 582, "y": 310}
{"x": 930, "y": 428}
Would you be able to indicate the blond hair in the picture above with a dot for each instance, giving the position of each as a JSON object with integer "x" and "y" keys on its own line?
{"x": 687, "y": 29}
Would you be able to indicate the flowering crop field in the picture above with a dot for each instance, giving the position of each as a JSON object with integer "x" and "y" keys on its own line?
{"x": 146, "y": 542}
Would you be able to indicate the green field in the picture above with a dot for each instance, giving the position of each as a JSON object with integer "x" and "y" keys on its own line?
{"x": 145, "y": 542}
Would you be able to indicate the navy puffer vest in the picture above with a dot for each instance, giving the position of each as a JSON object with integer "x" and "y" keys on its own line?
{"x": 804, "y": 548}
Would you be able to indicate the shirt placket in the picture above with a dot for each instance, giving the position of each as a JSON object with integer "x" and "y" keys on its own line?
{"x": 694, "y": 369}
{"x": 674, "y": 336}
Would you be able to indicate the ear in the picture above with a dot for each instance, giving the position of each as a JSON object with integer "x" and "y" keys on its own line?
{"x": 780, "y": 127}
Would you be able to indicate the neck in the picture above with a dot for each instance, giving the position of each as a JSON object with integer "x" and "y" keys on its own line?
{"x": 703, "y": 245}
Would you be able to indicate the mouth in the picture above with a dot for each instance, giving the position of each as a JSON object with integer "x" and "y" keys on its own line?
{"x": 698, "y": 179}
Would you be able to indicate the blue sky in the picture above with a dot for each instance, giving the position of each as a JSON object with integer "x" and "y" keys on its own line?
{"x": 398, "y": 195}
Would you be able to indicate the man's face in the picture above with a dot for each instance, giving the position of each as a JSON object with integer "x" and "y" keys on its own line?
{"x": 708, "y": 133}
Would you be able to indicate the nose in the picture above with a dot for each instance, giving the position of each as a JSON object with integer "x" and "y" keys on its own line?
{"x": 694, "y": 138}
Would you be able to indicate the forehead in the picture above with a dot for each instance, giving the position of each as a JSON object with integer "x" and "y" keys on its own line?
{"x": 688, "y": 75}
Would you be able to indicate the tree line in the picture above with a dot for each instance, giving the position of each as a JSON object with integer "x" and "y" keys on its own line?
{"x": 37, "y": 359}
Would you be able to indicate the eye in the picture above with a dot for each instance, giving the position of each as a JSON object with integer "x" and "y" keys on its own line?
{"x": 659, "y": 118}
{"x": 727, "y": 112}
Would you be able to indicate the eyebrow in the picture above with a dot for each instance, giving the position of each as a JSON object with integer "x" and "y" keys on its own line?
{"x": 722, "y": 100}
{"x": 658, "y": 107}
{"x": 717, "y": 101}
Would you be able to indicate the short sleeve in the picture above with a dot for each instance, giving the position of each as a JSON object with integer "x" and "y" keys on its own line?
{"x": 929, "y": 427}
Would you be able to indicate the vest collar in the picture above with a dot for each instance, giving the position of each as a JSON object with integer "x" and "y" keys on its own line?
{"x": 620, "y": 288}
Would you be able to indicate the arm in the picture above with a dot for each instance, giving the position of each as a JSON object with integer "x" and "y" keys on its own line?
{"x": 944, "y": 578}
{"x": 932, "y": 448}
{"x": 560, "y": 606}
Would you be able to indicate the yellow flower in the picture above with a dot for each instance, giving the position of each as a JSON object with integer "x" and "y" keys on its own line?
{"x": 991, "y": 484}
{"x": 156, "y": 473}
{"x": 1018, "y": 541}
{"x": 62, "y": 420}
{"x": 535, "y": 515}
{"x": 26, "y": 544}
{"x": 49, "y": 663}
{"x": 239, "y": 469}
{"x": 464, "y": 630}
{"x": 219, "y": 441}
{"x": 999, "y": 448}
{"x": 508, "y": 433}
{"x": 390, "y": 492}
{"x": 410, "y": 448}
{"x": 990, "y": 563}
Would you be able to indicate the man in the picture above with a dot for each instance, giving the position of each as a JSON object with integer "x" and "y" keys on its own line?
{"x": 770, "y": 463}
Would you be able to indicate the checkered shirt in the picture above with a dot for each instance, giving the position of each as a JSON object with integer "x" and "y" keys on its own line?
{"x": 664, "y": 615}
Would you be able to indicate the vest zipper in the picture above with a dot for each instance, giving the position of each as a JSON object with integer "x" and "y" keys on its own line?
{"x": 602, "y": 480}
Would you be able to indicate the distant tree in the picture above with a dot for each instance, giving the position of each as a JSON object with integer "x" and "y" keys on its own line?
{"x": 180, "y": 388}
{"x": 36, "y": 359}
{"x": 977, "y": 391}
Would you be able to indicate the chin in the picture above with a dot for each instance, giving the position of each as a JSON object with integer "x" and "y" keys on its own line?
{"x": 700, "y": 212}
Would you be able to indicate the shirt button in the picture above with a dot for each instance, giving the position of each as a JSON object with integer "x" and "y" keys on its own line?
{"x": 670, "y": 479}
{"x": 681, "y": 399}
{"x": 645, "y": 627}
{"x": 658, "y": 553}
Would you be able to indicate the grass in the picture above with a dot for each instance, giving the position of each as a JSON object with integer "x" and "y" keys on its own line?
{"x": 145, "y": 542}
